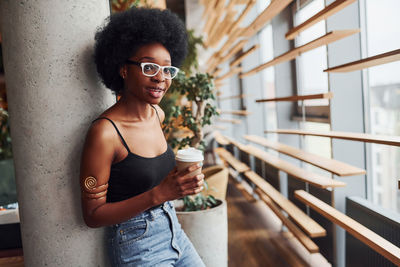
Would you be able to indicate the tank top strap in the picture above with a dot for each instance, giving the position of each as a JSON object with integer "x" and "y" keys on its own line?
{"x": 118, "y": 132}
{"x": 156, "y": 113}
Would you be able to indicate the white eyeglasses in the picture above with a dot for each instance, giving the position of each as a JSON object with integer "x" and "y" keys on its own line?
{"x": 151, "y": 69}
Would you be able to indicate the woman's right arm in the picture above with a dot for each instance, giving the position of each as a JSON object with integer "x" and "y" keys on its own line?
{"x": 97, "y": 157}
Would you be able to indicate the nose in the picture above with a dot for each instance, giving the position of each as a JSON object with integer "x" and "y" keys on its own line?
{"x": 159, "y": 77}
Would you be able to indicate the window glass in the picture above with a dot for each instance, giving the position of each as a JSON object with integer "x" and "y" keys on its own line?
{"x": 310, "y": 65}
{"x": 320, "y": 146}
{"x": 383, "y": 35}
{"x": 268, "y": 81}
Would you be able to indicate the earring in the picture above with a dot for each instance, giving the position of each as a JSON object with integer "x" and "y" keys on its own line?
{"x": 124, "y": 75}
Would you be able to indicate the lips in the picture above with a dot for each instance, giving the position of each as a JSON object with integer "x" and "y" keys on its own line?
{"x": 155, "y": 92}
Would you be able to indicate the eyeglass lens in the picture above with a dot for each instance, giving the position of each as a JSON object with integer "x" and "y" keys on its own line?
{"x": 152, "y": 69}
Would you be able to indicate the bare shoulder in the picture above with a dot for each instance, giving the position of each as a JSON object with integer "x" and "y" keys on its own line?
{"x": 160, "y": 112}
{"x": 101, "y": 139}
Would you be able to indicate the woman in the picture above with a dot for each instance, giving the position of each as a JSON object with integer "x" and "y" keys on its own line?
{"x": 128, "y": 175}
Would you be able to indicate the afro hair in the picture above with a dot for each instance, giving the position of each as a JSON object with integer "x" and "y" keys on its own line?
{"x": 127, "y": 31}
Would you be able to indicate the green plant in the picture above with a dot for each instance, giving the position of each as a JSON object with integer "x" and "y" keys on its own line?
{"x": 5, "y": 138}
{"x": 199, "y": 91}
{"x": 198, "y": 202}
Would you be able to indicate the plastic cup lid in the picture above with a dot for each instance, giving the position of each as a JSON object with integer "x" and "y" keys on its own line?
{"x": 190, "y": 154}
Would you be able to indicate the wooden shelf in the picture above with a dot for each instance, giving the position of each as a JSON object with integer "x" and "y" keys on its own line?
{"x": 361, "y": 137}
{"x": 330, "y": 37}
{"x": 233, "y": 97}
{"x": 291, "y": 169}
{"x": 244, "y": 55}
{"x": 294, "y": 98}
{"x": 217, "y": 59}
{"x": 219, "y": 30}
{"x": 217, "y": 72}
{"x": 239, "y": 166}
{"x": 239, "y": 46}
{"x": 359, "y": 231}
{"x": 220, "y": 139}
{"x": 307, "y": 224}
{"x": 367, "y": 62}
{"x": 235, "y": 112}
{"x": 305, "y": 240}
{"x": 331, "y": 165}
{"x": 323, "y": 14}
{"x": 249, "y": 6}
{"x": 273, "y": 9}
{"x": 233, "y": 121}
{"x": 219, "y": 127}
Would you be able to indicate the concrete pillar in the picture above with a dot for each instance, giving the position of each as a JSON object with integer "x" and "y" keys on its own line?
{"x": 53, "y": 93}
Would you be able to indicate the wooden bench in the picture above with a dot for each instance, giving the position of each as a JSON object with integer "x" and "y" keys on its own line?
{"x": 308, "y": 225}
{"x": 331, "y": 165}
{"x": 305, "y": 222}
{"x": 314, "y": 179}
{"x": 220, "y": 139}
{"x": 362, "y": 233}
{"x": 231, "y": 160}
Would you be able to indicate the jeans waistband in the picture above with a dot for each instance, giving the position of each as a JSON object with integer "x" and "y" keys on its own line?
{"x": 154, "y": 211}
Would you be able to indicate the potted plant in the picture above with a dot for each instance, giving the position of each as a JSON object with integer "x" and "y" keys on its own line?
{"x": 189, "y": 107}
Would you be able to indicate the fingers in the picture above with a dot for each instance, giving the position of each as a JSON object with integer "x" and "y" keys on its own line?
{"x": 190, "y": 169}
{"x": 193, "y": 191}
{"x": 193, "y": 186}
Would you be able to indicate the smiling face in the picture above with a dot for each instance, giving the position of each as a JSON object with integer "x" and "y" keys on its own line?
{"x": 147, "y": 89}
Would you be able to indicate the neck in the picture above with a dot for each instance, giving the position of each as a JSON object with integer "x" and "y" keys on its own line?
{"x": 133, "y": 107}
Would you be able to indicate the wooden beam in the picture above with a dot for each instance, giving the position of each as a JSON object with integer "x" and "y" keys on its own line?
{"x": 303, "y": 239}
{"x": 219, "y": 127}
{"x": 367, "y": 62}
{"x": 232, "y": 161}
{"x": 220, "y": 138}
{"x": 294, "y": 98}
{"x": 217, "y": 72}
{"x": 336, "y": 167}
{"x": 273, "y": 9}
{"x": 307, "y": 224}
{"x": 233, "y": 51}
{"x": 303, "y": 175}
{"x": 359, "y": 231}
{"x": 249, "y": 6}
{"x": 235, "y": 112}
{"x": 244, "y": 55}
{"x": 233, "y": 121}
{"x": 323, "y": 14}
{"x": 361, "y": 137}
{"x": 328, "y": 38}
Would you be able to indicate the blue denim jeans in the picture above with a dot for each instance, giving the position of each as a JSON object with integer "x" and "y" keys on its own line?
{"x": 153, "y": 238}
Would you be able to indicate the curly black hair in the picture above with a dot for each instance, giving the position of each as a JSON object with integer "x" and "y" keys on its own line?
{"x": 127, "y": 31}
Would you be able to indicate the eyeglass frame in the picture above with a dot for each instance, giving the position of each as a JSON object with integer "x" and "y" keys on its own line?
{"x": 142, "y": 64}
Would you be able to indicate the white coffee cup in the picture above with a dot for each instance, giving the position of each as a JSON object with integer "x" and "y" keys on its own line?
{"x": 187, "y": 157}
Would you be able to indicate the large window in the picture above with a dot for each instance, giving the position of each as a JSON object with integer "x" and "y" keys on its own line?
{"x": 310, "y": 76}
{"x": 383, "y": 35}
{"x": 312, "y": 80}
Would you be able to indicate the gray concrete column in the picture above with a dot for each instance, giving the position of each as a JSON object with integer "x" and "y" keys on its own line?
{"x": 53, "y": 93}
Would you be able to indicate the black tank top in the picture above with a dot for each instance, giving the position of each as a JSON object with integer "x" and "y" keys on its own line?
{"x": 136, "y": 174}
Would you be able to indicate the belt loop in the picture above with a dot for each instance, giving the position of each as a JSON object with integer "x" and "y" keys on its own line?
{"x": 151, "y": 214}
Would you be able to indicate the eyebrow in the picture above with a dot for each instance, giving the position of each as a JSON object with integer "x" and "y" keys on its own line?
{"x": 152, "y": 58}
